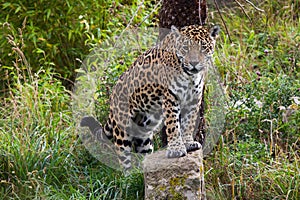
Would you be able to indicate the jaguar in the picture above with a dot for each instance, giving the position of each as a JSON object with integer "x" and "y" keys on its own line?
{"x": 162, "y": 88}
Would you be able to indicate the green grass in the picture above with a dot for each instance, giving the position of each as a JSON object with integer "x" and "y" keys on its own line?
{"x": 258, "y": 156}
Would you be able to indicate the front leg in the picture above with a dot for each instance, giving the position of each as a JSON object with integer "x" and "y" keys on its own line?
{"x": 189, "y": 113}
{"x": 188, "y": 123}
{"x": 171, "y": 112}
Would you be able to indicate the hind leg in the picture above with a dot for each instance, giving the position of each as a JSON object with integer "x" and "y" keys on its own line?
{"x": 124, "y": 154}
{"x": 144, "y": 145}
{"x": 123, "y": 144}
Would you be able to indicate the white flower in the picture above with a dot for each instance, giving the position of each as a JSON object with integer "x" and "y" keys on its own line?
{"x": 258, "y": 103}
{"x": 282, "y": 108}
{"x": 239, "y": 103}
{"x": 296, "y": 100}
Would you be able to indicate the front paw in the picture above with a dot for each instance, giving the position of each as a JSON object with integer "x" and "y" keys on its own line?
{"x": 192, "y": 146}
{"x": 176, "y": 152}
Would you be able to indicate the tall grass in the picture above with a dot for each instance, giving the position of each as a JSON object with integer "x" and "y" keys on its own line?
{"x": 258, "y": 156}
{"x": 35, "y": 119}
{"x": 41, "y": 156}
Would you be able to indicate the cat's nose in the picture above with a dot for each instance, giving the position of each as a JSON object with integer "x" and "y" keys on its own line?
{"x": 194, "y": 64}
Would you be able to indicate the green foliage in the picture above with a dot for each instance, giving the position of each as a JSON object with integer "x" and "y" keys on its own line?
{"x": 258, "y": 156}
{"x": 41, "y": 157}
{"x": 34, "y": 120}
{"x": 262, "y": 100}
{"x": 59, "y": 33}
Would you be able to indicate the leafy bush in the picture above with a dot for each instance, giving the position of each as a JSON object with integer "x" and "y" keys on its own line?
{"x": 41, "y": 157}
{"x": 266, "y": 99}
{"x": 59, "y": 33}
{"x": 258, "y": 155}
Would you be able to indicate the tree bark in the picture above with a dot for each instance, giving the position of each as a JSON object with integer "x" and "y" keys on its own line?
{"x": 183, "y": 13}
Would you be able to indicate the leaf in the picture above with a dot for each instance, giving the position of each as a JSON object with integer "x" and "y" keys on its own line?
{"x": 80, "y": 71}
{"x": 48, "y": 13}
{"x": 18, "y": 9}
{"x": 5, "y": 5}
{"x": 38, "y": 50}
{"x": 7, "y": 67}
{"x": 70, "y": 35}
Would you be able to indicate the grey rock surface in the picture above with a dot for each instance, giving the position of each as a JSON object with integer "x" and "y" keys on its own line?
{"x": 175, "y": 178}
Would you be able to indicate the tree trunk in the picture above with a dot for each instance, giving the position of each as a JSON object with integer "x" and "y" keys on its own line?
{"x": 183, "y": 13}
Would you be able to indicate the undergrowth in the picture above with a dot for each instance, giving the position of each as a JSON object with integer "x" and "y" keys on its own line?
{"x": 258, "y": 156}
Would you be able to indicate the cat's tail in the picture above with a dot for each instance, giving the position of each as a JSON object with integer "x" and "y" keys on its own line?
{"x": 95, "y": 128}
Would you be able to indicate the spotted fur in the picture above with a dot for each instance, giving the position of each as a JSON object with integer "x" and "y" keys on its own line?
{"x": 163, "y": 87}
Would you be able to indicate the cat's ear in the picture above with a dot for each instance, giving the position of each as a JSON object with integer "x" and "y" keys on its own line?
{"x": 214, "y": 31}
{"x": 175, "y": 30}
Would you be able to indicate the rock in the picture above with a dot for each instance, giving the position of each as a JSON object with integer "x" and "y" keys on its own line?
{"x": 174, "y": 178}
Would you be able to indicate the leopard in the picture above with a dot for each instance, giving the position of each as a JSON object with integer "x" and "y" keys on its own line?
{"x": 162, "y": 88}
